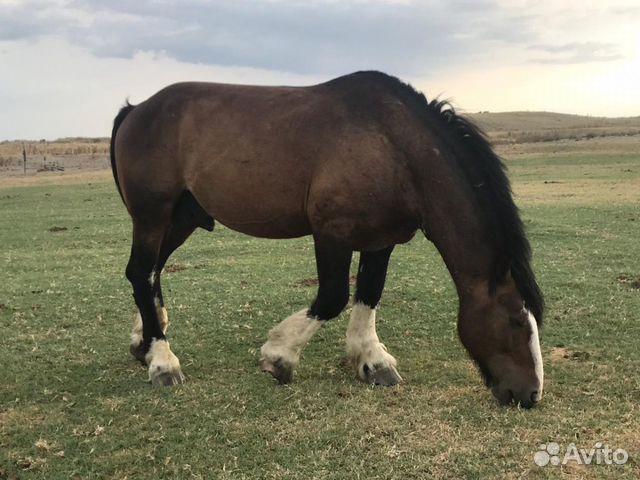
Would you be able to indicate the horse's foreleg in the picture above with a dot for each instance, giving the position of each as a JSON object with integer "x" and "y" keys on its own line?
{"x": 142, "y": 272}
{"x": 281, "y": 353}
{"x": 369, "y": 356}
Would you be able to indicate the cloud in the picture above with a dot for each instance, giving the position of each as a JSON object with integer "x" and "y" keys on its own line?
{"x": 626, "y": 10}
{"x": 327, "y": 37}
{"x": 577, "y": 52}
{"x": 50, "y": 88}
{"x": 309, "y": 37}
{"x": 68, "y": 64}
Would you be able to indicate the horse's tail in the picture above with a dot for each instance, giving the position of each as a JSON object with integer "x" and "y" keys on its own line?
{"x": 122, "y": 114}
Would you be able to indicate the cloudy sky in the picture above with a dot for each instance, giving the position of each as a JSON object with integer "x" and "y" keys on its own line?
{"x": 67, "y": 65}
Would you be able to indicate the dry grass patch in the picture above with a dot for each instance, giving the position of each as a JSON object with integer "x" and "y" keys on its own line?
{"x": 528, "y": 127}
{"x": 70, "y": 147}
{"x": 585, "y": 192}
{"x": 626, "y": 145}
{"x": 56, "y": 178}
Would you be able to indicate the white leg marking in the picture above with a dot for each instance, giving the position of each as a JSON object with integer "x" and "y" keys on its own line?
{"x": 288, "y": 338}
{"x": 363, "y": 345}
{"x": 136, "y": 332}
{"x": 163, "y": 316}
{"x": 534, "y": 346}
{"x": 164, "y": 366}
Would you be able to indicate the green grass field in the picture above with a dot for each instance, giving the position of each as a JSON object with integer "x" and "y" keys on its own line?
{"x": 75, "y": 404}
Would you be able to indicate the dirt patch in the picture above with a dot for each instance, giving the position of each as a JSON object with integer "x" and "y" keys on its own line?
{"x": 560, "y": 354}
{"x": 175, "y": 267}
{"x": 631, "y": 281}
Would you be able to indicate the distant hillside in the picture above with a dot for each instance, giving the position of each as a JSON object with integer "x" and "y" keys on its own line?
{"x": 525, "y": 127}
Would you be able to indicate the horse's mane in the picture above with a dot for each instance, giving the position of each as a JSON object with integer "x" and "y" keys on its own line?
{"x": 486, "y": 172}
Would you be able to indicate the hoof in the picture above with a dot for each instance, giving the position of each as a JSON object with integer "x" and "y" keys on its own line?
{"x": 280, "y": 370}
{"x": 164, "y": 366}
{"x": 380, "y": 375}
{"x": 138, "y": 352}
{"x": 166, "y": 378}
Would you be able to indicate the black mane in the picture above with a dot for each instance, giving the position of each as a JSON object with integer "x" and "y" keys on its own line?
{"x": 486, "y": 172}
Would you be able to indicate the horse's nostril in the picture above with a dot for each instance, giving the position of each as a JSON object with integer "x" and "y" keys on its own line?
{"x": 535, "y": 397}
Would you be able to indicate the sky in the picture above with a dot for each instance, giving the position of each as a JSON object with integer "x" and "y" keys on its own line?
{"x": 66, "y": 66}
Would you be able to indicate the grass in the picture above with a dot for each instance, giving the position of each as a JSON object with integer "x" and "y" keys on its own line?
{"x": 74, "y": 403}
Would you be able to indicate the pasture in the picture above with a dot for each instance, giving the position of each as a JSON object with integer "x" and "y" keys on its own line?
{"x": 74, "y": 402}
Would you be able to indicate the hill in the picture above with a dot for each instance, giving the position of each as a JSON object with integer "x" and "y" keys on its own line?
{"x": 528, "y": 127}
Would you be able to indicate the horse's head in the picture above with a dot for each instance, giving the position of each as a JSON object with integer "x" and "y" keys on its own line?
{"x": 501, "y": 335}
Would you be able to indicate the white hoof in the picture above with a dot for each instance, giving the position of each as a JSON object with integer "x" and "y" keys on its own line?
{"x": 164, "y": 366}
{"x": 281, "y": 353}
{"x": 368, "y": 355}
{"x": 376, "y": 366}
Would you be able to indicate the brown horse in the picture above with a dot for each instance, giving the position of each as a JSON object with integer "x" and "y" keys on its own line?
{"x": 362, "y": 163}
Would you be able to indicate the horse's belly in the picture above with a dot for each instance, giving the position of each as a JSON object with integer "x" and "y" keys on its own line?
{"x": 364, "y": 236}
{"x": 282, "y": 227}
{"x": 254, "y": 213}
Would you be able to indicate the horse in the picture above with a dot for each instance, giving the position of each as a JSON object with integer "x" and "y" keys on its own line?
{"x": 362, "y": 163}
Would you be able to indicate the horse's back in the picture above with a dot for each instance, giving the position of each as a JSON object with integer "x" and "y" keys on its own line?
{"x": 269, "y": 161}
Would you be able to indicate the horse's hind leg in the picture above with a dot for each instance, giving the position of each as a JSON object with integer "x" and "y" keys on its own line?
{"x": 370, "y": 357}
{"x": 164, "y": 366}
{"x": 187, "y": 216}
{"x": 281, "y": 353}
{"x": 175, "y": 236}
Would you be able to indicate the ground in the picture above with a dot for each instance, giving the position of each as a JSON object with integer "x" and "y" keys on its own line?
{"x": 74, "y": 403}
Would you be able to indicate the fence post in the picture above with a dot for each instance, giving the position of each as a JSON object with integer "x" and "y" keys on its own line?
{"x": 24, "y": 158}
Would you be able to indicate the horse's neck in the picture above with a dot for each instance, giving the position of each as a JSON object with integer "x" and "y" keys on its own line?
{"x": 455, "y": 223}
